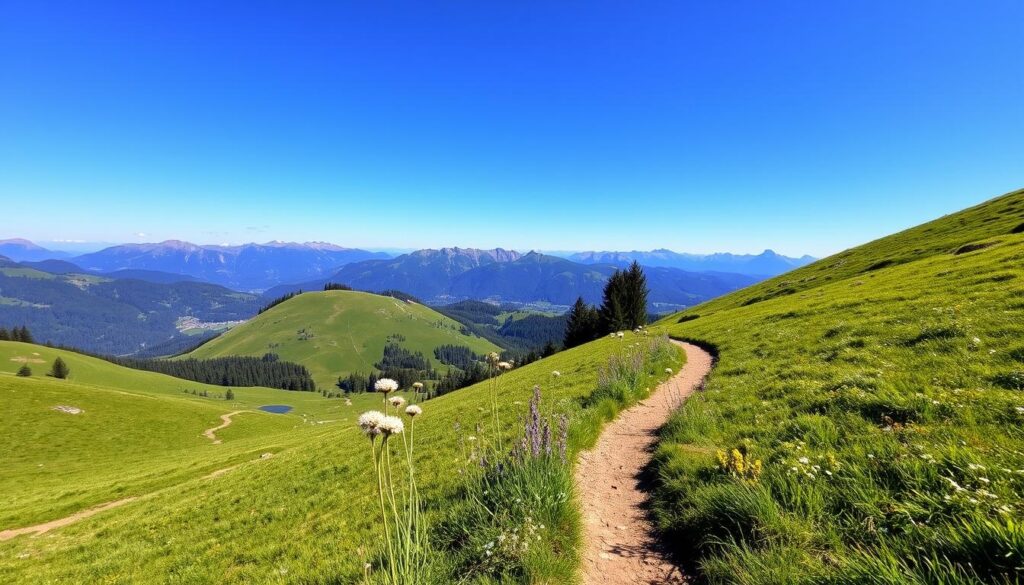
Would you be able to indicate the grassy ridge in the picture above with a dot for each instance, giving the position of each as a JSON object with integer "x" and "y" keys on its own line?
{"x": 304, "y": 515}
{"x": 346, "y": 333}
{"x": 882, "y": 394}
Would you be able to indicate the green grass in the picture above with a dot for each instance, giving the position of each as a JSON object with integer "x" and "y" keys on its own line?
{"x": 883, "y": 392}
{"x": 347, "y": 333}
{"x": 304, "y": 515}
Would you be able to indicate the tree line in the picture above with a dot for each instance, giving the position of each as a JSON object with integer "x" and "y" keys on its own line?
{"x": 268, "y": 371}
{"x": 21, "y": 334}
{"x": 623, "y": 307}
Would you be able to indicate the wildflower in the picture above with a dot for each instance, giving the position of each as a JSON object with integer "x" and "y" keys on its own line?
{"x": 492, "y": 358}
{"x": 556, "y": 374}
{"x": 620, "y": 335}
{"x": 396, "y": 401}
{"x": 504, "y": 366}
{"x": 370, "y": 423}
{"x": 804, "y": 460}
{"x": 385, "y": 385}
{"x": 391, "y": 425}
{"x": 412, "y": 410}
{"x": 668, "y": 370}
{"x": 418, "y": 385}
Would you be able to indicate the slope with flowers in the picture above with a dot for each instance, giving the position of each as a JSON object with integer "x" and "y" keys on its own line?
{"x": 307, "y": 514}
{"x": 865, "y": 422}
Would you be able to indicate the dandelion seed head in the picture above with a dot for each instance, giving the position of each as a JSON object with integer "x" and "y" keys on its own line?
{"x": 370, "y": 422}
{"x": 385, "y": 385}
{"x": 391, "y": 425}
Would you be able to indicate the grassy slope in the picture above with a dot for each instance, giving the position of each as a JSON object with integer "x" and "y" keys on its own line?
{"x": 350, "y": 330}
{"x": 304, "y": 515}
{"x": 139, "y": 431}
{"x": 903, "y": 381}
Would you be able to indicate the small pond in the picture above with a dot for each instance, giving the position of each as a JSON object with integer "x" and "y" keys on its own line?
{"x": 276, "y": 408}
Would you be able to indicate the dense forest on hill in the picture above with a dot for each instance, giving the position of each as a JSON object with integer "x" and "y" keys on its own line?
{"x": 111, "y": 316}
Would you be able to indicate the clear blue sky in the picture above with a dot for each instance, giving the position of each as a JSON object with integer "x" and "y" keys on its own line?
{"x": 806, "y": 127}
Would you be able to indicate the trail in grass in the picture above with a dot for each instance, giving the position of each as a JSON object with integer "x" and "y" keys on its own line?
{"x": 225, "y": 423}
{"x": 619, "y": 542}
{"x": 82, "y": 515}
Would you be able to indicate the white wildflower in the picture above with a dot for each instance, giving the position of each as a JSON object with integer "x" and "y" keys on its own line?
{"x": 668, "y": 370}
{"x": 504, "y": 366}
{"x": 385, "y": 385}
{"x": 556, "y": 374}
{"x": 804, "y": 460}
{"x": 418, "y": 385}
{"x": 413, "y": 410}
{"x": 396, "y": 401}
{"x": 370, "y": 422}
{"x": 391, "y": 425}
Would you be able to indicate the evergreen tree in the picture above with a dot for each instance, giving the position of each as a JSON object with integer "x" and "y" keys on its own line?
{"x": 24, "y": 371}
{"x": 612, "y": 312}
{"x": 4, "y": 335}
{"x": 229, "y": 395}
{"x": 59, "y": 369}
{"x": 26, "y": 336}
{"x": 635, "y": 300}
{"x": 583, "y": 324}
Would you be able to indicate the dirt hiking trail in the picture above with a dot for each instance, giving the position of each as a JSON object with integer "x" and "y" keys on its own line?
{"x": 225, "y": 423}
{"x": 619, "y": 545}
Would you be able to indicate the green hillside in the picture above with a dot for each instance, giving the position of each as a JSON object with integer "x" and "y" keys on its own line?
{"x": 881, "y": 389}
{"x": 137, "y": 432}
{"x": 303, "y": 515}
{"x": 335, "y": 333}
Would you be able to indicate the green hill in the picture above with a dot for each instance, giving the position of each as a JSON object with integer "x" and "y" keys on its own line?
{"x": 336, "y": 333}
{"x": 881, "y": 389}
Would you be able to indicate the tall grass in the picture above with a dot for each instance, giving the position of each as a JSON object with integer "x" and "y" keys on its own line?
{"x": 885, "y": 411}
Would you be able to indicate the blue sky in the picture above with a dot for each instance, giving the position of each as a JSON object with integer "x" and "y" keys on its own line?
{"x": 806, "y": 127}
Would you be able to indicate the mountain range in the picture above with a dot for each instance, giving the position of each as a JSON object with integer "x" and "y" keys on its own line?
{"x": 449, "y": 275}
{"x": 247, "y": 267}
{"x": 765, "y": 264}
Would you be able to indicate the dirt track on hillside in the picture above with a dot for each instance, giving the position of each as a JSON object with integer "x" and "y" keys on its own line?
{"x": 619, "y": 542}
{"x": 225, "y": 423}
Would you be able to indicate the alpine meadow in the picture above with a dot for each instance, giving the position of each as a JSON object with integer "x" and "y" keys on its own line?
{"x": 512, "y": 293}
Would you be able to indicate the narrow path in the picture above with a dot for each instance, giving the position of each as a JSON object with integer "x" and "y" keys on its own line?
{"x": 225, "y": 423}
{"x": 48, "y": 526}
{"x": 619, "y": 543}
{"x": 60, "y": 522}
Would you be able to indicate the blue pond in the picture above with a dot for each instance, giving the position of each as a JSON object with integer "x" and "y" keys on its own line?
{"x": 276, "y": 408}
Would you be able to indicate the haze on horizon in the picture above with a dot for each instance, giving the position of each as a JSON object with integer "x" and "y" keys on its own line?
{"x": 805, "y": 128}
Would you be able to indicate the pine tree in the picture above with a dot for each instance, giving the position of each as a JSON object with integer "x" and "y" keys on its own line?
{"x": 582, "y": 326}
{"x": 25, "y": 371}
{"x": 26, "y": 336}
{"x": 4, "y": 335}
{"x": 59, "y": 369}
{"x": 229, "y": 395}
{"x": 612, "y": 312}
{"x": 635, "y": 299}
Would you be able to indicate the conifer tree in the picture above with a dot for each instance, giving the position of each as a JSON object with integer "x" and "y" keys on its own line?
{"x": 612, "y": 312}
{"x": 583, "y": 324}
{"x": 4, "y": 335}
{"x": 60, "y": 369}
{"x": 24, "y": 371}
{"x": 635, "y": 300}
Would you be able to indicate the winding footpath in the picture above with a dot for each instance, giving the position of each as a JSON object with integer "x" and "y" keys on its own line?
{"x": 45, "y": 527}
{"x": 619, "y": 542}
{"x": 225, "y": 423}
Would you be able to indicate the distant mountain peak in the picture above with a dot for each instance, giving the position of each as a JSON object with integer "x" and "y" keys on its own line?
{"x": 27, "y": 244}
